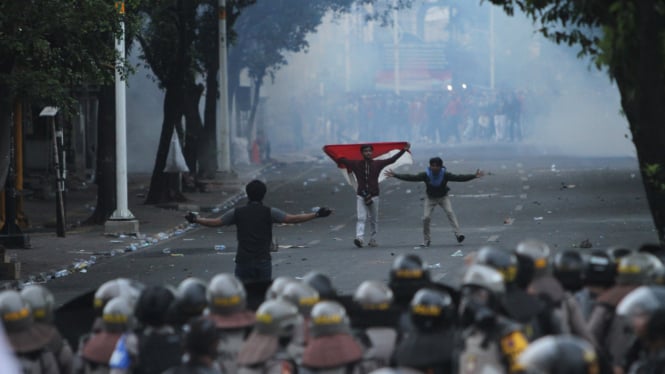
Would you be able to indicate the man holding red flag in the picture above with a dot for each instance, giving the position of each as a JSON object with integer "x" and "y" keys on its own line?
{"x": 367, "y": 172}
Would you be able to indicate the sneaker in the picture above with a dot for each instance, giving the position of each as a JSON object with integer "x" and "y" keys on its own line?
{"x": 425, "y": 244}
{"x": 373, "y": 243}
{"x": 358, "y": 242}
{"x": 460, "y": 238}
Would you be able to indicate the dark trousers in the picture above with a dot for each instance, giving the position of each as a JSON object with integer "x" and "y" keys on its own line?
{"x": 255, "y": 271}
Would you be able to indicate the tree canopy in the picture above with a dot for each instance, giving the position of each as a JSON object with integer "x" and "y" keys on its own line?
{"x": 627, "y": 38}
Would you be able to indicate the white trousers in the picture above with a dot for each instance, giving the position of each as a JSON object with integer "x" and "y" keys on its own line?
{"x": 365, "y": 213}
{"x": 430, "y": 204}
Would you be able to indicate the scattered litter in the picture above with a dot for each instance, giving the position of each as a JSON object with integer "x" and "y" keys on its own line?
{"x": 493, "y": 238}
{"x": 220, "y": 247}
{"x": 166, "y": 250}
{"x": 567, "y": 186}
{"x": 408, "y": 191}
{"x": 286, "y": 246}
{"x": 304, "y": 183}
{"x": 315, "y": 209}
{"x": 338, "y": 239}
{"x": 586, "y": 243}
{"x": 61, "y": 273}
{"x": 553, "y": 168}
{"x": 115, "y": 241}
{"x": 215, "y": 210}
{"x": 632, "y": 176}
{"x": 508, "y": 221}
{"x": 178, "y": 232}
{"x": 188, "y": 239}
{"x": 132, "y": 247}
{"x": 177, "y": 255}
{"x": 434, "y": 266}
{"x": 537, "y": 218}
{"x": 122, "y": 236}
{"x": 458, "y": 253}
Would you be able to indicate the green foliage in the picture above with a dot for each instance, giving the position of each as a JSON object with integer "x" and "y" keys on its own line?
{"x": 655, "y": 175}
{"x": 48, "y": 47}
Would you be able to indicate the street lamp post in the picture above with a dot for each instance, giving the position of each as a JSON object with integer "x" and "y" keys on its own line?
{"x": 223, "y": 142}
{"x": 122, "y": 221}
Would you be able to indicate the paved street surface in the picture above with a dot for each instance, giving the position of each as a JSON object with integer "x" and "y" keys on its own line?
{"x": 563, "y": 201}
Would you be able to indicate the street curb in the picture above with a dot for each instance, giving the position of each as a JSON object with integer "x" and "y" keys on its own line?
{"x": 142, "y": 241}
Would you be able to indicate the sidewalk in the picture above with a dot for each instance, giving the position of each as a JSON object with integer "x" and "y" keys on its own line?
{"x": 51, "y": 256}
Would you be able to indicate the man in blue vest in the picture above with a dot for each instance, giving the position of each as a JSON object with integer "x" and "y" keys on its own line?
{"x": 436, "y": 178}
{"x": 254, "y": 223}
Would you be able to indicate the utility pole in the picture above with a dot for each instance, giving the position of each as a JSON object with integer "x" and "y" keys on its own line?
{"x": 396, "y": 47}
{"x": 122, "y": 221}
{"x": 223, "y": 141}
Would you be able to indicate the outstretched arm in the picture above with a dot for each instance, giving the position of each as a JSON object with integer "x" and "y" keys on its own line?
{"x": 192, "y": 217}
{"x": 304, "y": 217}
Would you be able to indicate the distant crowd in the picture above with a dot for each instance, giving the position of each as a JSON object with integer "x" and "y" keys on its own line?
{"x": 460, "y": 115}
{"x": 523, "y": 310}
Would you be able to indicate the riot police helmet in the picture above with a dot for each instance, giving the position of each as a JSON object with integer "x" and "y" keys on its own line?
{"x": 23, "y": 334}
{"x": 600, "y": 269}
{"x": 568, "y": 268}
{"x": 328, "y": 318}
{"x": 538, "y": 252}
{"x": 639, "y": 307}
{"x": 431, "y": 309}
{"x": 373, "y": 295}
{"x": 128, "y": 288}
{"x": 321, "y": 283}
{"x": 277, "y": 286}
{"x": 483, "y": 276}
{"x": 301, "y": 295}
{"x": 560, "y": 354}
{"x": 153, "y": 305}
{"x": 41, "y": 302}
{"x": 503, "y": 261}
{"x": 637, "y": 269}
{"x": 118, "y": 315}
{"x": 407, "y": 267}
{"x": 278, "y": 318}
{"x": 226, "y": 294}
{"x": 191, "y": 296}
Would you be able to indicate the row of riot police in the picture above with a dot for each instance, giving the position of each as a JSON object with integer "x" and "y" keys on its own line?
{"x": 515, "y": 311}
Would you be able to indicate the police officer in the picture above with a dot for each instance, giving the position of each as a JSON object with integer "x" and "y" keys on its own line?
{"x": 266, "y": 349}
{"x": 227, "y": 307}
{"x": 41, "y": 303}
{"x": 127, "y": 288}
{"x": 407, "y": 275}
{"x": 431, "y": 345}
{"x": 160, "y": 344}
{"x": 491, "y": 342}
{"x": 331, "y": 347}
{"x": 599, "y": 275}
{"x": 550, "y": 290}
{"x": 114, "y": 347}
{"x": 277, "y": 286}
{"x": 304, "y": 298}
{"x": 536, "y": 319}
{"x": 191, "y": 299}
{"x": 374, "y": 320}
{"x": 613, "y": 334}
{"x": 563, "y": 354}
{"x": 644, "y": 308}
{"x": 201, "y": 339}
{"x": 29, "y": 341}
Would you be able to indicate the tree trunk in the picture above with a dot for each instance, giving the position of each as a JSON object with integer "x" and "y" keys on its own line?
{"x": 207, "y": 145}
{"x": 193, "y": 127}
{"x": 105, "y": 177}
{"x": 642, "y": 87}
{"x": 165, "y": 187}
{"x": 251, "y": 134}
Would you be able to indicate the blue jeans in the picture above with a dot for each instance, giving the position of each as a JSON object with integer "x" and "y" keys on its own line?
{"x": 255, "y": 271}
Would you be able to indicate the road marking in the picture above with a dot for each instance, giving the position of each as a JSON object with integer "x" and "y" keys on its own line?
{"x": 518, "y": 207}
{"x": 523, "y": 196}
{"x": 493, "y": 238}
{"x": 337, "y": 228}
{"x": 526, "y": 187}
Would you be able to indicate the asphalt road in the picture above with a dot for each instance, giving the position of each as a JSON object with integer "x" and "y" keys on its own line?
{"x": 560, "y": 200}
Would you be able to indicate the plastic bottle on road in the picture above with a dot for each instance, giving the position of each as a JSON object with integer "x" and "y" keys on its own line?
{"x": 220, "y": 247}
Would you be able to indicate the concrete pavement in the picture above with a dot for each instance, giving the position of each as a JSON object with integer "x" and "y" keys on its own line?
{"x": 84, "y": 246}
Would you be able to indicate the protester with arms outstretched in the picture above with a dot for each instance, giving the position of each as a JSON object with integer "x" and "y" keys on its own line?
{"x": 254, "y": 222}
{"x": 367, "y": 173}
{"x": 436, "y": 178}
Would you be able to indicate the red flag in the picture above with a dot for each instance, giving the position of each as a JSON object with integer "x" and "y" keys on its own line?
{"x": 381, "y": 150}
